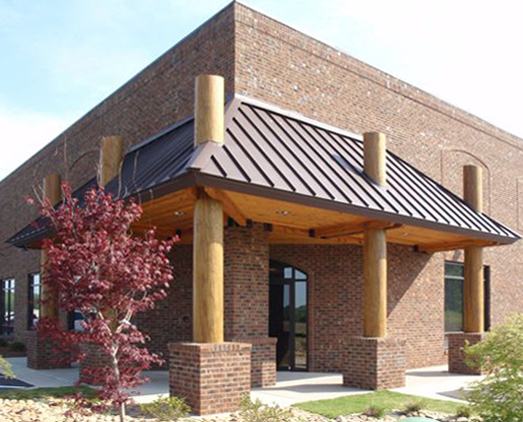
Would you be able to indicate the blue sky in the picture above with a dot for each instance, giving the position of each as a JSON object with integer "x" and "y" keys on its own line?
{"x": 61, "y": 57}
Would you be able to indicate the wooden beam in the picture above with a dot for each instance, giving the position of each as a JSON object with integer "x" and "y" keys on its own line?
{"x": 452, "y": 246}
{"x": 229, "y": 207}
{"x": 351, "y": 229}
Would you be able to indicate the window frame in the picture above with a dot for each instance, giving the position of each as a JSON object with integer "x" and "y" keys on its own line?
{"x": 486, "y": 293}
{"x": 31, "y": 301}
{"x": 7, "y": 330}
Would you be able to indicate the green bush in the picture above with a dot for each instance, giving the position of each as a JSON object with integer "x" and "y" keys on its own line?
{"x": 499, "y": 396}
{"x": 17, "y": 346}
{"x": 3, "y": 342}
{"x": 374, "y": 412}
{"x": 258, "y": 412}
{"x": 167, "y": 409}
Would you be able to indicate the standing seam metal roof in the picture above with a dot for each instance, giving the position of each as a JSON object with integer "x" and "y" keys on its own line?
{"x": 279, "y": 154}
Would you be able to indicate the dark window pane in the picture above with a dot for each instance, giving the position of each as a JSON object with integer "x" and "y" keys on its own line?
{"x": 453, "y": 305}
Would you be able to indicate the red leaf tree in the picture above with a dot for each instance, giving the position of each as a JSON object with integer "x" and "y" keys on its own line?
{"x": 109, "y": 275}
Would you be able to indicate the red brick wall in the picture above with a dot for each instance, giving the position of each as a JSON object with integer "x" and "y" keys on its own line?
{"x": 415, "y": 301}
{"x": 171, "y": 320}
{"x": 213, "y": 378}
{"x": 247, "y": 298}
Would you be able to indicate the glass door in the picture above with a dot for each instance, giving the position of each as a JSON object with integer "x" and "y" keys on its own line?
{"x": 288, "y": 315}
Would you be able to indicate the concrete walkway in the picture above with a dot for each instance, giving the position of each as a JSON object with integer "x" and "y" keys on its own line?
{"x": 291, "y": 388}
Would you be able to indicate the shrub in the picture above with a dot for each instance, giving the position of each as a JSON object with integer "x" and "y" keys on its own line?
{"x": 17, "y": 346}
{"x": 167, "y": 409}
{"x": 410, "y": 408}
{"x": 463, "y": 412}
{"x": 499, "y": 396}
{"x": 258, "y": 412}
{"x": 3, "y": 343}
{"x": 374, "y": 412}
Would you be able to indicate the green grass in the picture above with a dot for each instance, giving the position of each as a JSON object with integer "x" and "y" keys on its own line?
{"x": 43, "y": 393}
{"x": 387, "y": 400}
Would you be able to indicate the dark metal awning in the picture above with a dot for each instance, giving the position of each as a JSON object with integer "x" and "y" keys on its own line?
{"x": 275, "y": 154}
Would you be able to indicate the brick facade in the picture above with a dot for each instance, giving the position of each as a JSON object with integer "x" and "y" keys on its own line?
{"x": 213, "y": 378}
{"x": 247, "y": 298}
{"x": 265, "y": 59}
{"x": 457, "y": 359}
{"x": 375, "y": 364}
{"x": 335, "y": 276}
{"x": 42, "y": 353}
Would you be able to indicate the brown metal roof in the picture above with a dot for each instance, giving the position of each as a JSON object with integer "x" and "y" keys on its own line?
{"x": 277, "y": 154}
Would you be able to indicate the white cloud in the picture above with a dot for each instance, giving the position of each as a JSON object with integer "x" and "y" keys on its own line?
{"x": 23, "y": 134}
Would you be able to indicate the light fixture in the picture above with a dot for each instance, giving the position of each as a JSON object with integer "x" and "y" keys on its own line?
{"x": 406, "y": 234}
{"x": 179, "y": 213}
{"x": 283, "y": 212}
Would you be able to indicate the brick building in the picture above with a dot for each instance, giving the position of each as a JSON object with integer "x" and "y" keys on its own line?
{"x": 273, "y": 248}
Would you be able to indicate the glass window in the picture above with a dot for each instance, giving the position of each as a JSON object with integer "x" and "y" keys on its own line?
{"x": 34, "y": 300}
{"x": 454, "y": 278}
{"x": 7, "y": 306}
{"x": 454, "y": 282}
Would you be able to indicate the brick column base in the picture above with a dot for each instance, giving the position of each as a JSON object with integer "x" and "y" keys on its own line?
{"x": 263, "y": 360}
{"x": 213, "y": 378}
{"x": 374, "y": 363}
{"x": 95, "y": 360}
{"x": 457, "y": 341}
{"x": 42, "y": 354}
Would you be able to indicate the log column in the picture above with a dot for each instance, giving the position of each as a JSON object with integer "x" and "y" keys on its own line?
{"x": 375, "y": 245}
{"x": 473, "y": 289}
{"x": 375, "y": 361}
{"x": 111, "y": 157}
{"x": 194, "y": 367}
{"x": 52, "y": 193}
{"x": 473, "y": 310}
{"x": 208, "y": 220}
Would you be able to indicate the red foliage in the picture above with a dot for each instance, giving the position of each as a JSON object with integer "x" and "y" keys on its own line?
{"x": 102, "y": 270}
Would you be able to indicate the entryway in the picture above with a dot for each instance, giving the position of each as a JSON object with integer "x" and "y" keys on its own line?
{"x": 288, "y": 315}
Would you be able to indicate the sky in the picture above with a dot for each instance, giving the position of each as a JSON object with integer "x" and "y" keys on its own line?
{"x": 59, "y": 58}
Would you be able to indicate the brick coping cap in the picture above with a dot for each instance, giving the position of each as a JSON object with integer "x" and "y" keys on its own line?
{"x": 210, "y": 347}
{"x": 256, "y": 340}
{"x": 378, "y": 340}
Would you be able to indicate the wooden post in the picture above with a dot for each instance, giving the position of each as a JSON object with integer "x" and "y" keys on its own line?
{"x": 473, "y": 310}
{"x": 209, "y": 109}
{"x": 53, "y": 193}
{"x": 208, "y": 308}
{"x": 374, "y": 153}
{"x": 110, "y": 158}
{"x": 375, "y": 246}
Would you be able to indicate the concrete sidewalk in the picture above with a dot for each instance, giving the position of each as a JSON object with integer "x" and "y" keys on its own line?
{"x": 291, "y": 388}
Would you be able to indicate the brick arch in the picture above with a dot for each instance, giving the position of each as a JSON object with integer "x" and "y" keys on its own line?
{"x": 452, "y": 161}
{"x": 86, "y": 163}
